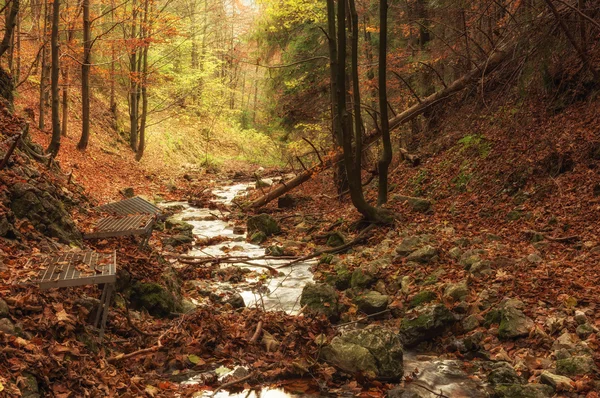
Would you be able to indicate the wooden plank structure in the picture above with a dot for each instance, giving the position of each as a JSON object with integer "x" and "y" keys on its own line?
{"x": 109, "y": 227}
{"x": 130, "y": 217}
{"x": 135, "y": 205}
{"x": 70, "y": 269}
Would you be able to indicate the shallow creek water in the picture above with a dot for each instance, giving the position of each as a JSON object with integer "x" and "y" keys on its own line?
{"x": 283, "y": 294}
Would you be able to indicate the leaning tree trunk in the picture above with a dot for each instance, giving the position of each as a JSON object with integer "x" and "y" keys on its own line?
{"x": 54, "y": 146}
{"x": 85, "y": 77}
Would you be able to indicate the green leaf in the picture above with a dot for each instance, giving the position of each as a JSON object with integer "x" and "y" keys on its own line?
{"x": 195, "y": 359}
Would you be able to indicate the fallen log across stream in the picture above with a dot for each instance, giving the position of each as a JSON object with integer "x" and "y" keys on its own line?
{"x": 493, "y": 61}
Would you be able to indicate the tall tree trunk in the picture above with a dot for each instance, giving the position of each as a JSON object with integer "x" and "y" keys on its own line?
{"x": 43, "y": 72}
{"x": 386, "y": 154}
{"x": 65, "y": 90}
{"x": 113, "y": 102}
{"x": 9, "y": 27}
{"x": 144, "y": 89}
{"x": 54, "y": 146}
{"x": 18, "y": 39}
{"x": 65, "y": 101}
{"x": 345, "y": 119}
{"x": 85, "y": 77}
{"x": 194, "y": 38}
{"x": 133, "y": 85}
{"x": 339, "y": 175}
{"x": 254, "y": 104}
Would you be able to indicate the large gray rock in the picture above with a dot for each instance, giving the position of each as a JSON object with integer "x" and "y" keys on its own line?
{"x": 373, "y": 352}
{"x": 513, "y": 322}
{"x": 372, "y": 302}
{"x": 320, "y": 299}
{"x": 456, "y": 291}
{"x": 423, "y": 255}
{"x": 46, "y": 213}
{"x": 410, "y": 244}
{"x": 263, "y": 223}
{"x": 559, "y": 383}
{"x": 430, "y": 322}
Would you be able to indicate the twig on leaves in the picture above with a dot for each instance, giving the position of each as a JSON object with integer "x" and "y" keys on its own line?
{"x": 257, "y": 332}
{"x": 440, "y": 394}
{"x": 154, "y": 348}
{"x": 232, "y": 383}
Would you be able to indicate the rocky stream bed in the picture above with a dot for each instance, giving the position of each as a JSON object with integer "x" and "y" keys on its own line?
{"x": 385, "y": 357}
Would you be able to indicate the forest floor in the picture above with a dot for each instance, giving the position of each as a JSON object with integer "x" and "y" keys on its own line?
{"x": 514, "y": 203}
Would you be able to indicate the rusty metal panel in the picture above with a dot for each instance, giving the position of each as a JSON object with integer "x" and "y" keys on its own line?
{"x": 110, "y": 227}
{"x": 135, "y": 205}
{"x": 76, "y": 269}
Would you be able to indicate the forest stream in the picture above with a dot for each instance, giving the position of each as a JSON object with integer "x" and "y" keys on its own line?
{"x": 431, "y": 375}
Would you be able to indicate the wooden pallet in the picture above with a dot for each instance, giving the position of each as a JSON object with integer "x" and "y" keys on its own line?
{"x": 116, "y": 226}
{"x": 78, "y": 269}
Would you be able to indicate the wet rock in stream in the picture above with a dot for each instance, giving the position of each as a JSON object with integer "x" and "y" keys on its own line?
{"x": 430, "y": 321}
{"x": 263, "y": 223}
{"x": 320, "y": 299}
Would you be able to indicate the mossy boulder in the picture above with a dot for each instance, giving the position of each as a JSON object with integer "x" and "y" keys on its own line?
{"x": 263, "y": 223}
{"x": 45, "y": 212}
{"x": 576, "y": 365}
{"x": 423, "y": 297}
{"x": 423, "y": 255}
{"x": 340, "y": 278}
{"x": 373, "y": 352}
{"x": 456, "y": 291}
{"x": 363, "y": 277}
{"x": 154, "y": 298}
{"x": 320, "y": 299}
{"x": 336, "y": 239}
{"x": 372, "y": 302}
{"x": 513, "y": 322}
{"x": 430, "y": 321}
{"x": 173, "y": 223}
{"x": 503, "y": 373}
